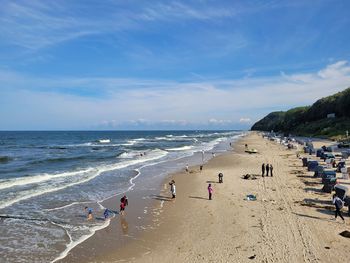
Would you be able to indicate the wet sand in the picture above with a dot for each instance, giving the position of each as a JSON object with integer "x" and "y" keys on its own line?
{"x": 289, "y": 221}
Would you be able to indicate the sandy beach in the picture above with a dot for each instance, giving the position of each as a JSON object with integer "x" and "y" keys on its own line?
{"x": 289, "y": 222}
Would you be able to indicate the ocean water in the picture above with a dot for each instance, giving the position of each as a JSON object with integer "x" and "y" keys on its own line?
{"x": 45, "y": 177}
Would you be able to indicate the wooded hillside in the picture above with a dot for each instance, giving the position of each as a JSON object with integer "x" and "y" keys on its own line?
{"x": 312, "y": 120}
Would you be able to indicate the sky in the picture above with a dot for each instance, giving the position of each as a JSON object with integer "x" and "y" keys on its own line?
{"x": 163, "y": 65}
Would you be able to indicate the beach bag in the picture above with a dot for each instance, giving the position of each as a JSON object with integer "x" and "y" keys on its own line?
{"x": 339, "y": 203}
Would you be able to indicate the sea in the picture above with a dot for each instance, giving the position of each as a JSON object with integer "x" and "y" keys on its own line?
{"x": 46, "y": 177}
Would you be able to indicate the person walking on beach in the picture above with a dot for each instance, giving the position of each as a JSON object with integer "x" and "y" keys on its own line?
{"x": 267, "y": 167}
{"x": 125, "y": 200}
{"x": 221, "y": 176}
{"x": 187, "y": 168}
{"x": 122, "y": 208}
{"x": 271, "y": 170}
{"x": 89, "y": 212}
{"x": 263, "y": 170}
{"x": 123, "y": 203}
{"x": 338, "y": 206}
{"x": 210, "y": 191}
{"x": 173, "y": 189}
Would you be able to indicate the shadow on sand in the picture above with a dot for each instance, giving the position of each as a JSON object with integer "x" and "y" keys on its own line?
{"x": 198, "y": 197}
{"x": 313, "y": 189}
{"x": 161, "y": 197}
{"x": 312, "y": 217}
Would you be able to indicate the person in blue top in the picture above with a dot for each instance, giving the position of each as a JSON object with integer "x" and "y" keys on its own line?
{"x": 89, "y": 212}
{"x": 106, "y": 214}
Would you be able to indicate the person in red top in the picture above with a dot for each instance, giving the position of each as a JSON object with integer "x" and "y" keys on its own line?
{"x": 124, "y": 200}
{"x": 123, "y": 203}
{"x": 210, "y": 191}
{"x": 122, "y": 208}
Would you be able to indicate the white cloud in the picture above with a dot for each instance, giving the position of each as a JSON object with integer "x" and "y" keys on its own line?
{"x": 335, "y": 70}
{"x": 37, "y": 24}
{"x": 219, "y": 122}
{"x": 245, "y": 120}
{"x": 28, "y": 102}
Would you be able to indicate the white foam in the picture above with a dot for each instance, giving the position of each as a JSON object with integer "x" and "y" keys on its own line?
{"x": 129, "y": 155}
{"x": 104, "y": 141}
{"x": 183, "y": 148}
{"x": 173, "y": 138}
{"x": 31, "y": 194}
{"x": 160, "y": 138}
{"x": 129, "y": 143}
{"x": 140, "y": 139}
{"x": 72, "y": 244}
{"x": 131, "y": 181}
{"x": 90, "y": 144}
{"x": 151, "y": 156}
{"x": 35, "y": 179}
{"x": 65, "y": 206}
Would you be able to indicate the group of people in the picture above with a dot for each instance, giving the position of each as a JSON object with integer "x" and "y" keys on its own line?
{"x": 124, "y": 201}
{"x": 268, "y": 168}
{"x": 210, "y": 188}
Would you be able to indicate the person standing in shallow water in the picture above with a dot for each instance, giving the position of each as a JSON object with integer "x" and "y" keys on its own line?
{"x": 89, "y": 213}
{"x": 210, "y": 191}
{"x": 267, "y": 167}
{"x": 263, "y": 170}
{"x": 173, "y": 190}
{"x": 271, "y": 170}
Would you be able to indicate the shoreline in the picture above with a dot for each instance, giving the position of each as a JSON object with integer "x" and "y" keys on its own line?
{"x": 133, "y": 224}
{"x": 289, "y": 221}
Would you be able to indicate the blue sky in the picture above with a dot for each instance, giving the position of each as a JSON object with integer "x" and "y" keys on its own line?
{"x": 166, "y": 64}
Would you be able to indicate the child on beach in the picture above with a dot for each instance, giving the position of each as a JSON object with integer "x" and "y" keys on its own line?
{"x": 106, "y": 214}
{"x": 125, "y": 200}
{"x": 122, "y": 208}
{"x": 173, "y": 189}
{"x": 187, "y": 168}
{"x": 210, "y": 191}
{"x": 89, "y": 212}
{"x": 123, "y": 203}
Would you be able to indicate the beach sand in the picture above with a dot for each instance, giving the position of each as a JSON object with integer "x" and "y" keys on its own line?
{"x": 289, "y": 221}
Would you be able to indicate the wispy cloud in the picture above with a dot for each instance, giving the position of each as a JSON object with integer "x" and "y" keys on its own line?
{"x": 33, "y": 24}
{"x": 245, "y": 120}
{"x": 36, "y": 24}
{"x": 143, "y": 103}
{"x": 181, "y": 10}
